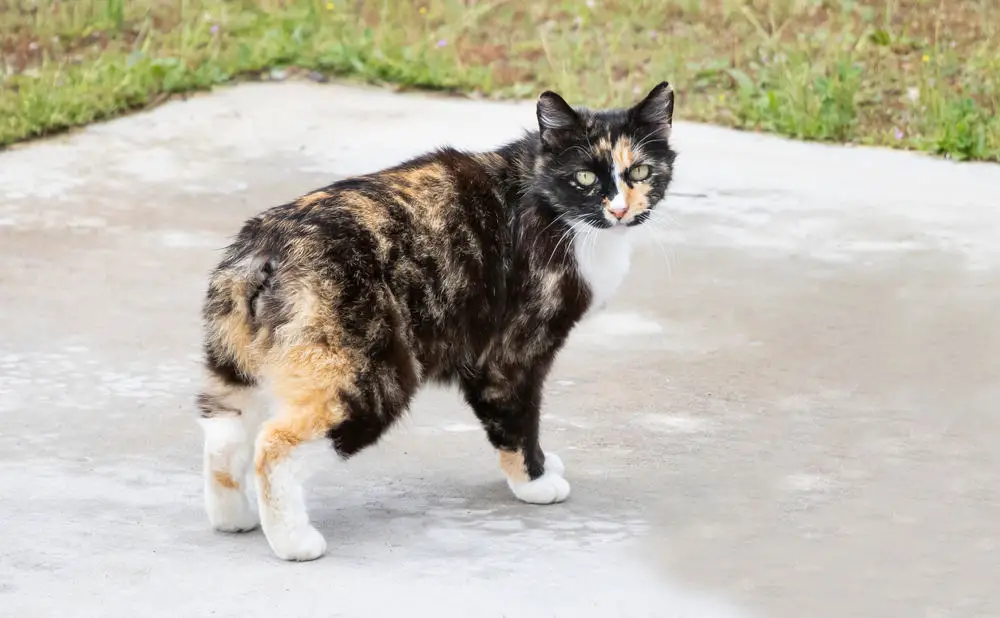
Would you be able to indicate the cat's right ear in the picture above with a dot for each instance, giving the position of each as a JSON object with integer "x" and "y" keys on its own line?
{"x": 555, "y": 116}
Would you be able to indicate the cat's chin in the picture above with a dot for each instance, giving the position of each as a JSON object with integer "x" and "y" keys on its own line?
{"x": 610, "y": 226}
{"x": 604, "y": 225}
{"x": 617, "y": 229}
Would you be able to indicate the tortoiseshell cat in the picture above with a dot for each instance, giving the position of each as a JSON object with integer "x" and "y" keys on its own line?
{"x": 453, "y": 267}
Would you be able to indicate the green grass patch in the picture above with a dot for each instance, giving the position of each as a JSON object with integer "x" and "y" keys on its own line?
{"x": 918, "y": 74}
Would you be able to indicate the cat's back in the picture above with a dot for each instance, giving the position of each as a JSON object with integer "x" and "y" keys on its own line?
{"x": 432, "y": 232}
{"x": 436, "y": 196}
{"x": 445, "y": 200}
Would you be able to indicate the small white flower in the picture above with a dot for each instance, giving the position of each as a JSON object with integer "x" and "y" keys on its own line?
{"x": 913, "y": 94}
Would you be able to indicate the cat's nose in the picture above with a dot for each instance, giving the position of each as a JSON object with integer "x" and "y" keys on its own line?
{"x": 618, "y": 210}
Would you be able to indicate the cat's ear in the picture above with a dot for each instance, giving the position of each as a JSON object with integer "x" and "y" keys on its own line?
{"x": 657, "y": 108}
{"x": 554, "y": 117}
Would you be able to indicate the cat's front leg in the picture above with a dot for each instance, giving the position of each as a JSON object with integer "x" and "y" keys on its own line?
{"x": 509, "y": 410}
{"x": 548, "y": 488}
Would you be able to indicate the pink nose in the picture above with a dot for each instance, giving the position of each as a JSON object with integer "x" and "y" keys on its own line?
{"x": 618, "y": 212}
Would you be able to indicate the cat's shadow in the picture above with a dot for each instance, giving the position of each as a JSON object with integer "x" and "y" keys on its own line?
{"x": 456, "y": 516}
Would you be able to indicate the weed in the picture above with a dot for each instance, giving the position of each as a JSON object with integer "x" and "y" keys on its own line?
{"x": 918, "y": 74}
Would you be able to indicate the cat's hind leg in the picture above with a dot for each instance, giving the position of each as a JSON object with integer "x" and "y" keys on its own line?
{"x": 307, "y": 407}
{"x": 323, "y": 395}
{"x": 229, "y": 419}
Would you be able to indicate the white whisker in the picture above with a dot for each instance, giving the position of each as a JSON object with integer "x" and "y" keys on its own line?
{"x": 649, "y": 138}
{"x": 592, "y": 238}
{"x": 665, "y": 216}
{"x": 567, "y": 233}
{"x": 663, "y": 252}
{"x": 665, "y": 248}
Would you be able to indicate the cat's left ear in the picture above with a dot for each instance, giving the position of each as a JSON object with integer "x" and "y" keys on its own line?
{"x": 657, "y": 108}
{"x": 555, "y": 116}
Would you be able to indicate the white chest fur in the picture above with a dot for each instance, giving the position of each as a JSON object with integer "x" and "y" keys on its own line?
{"x": 603, "y": 259}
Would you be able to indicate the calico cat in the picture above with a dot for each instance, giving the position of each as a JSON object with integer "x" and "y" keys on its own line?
{"x": 453, "y": 267}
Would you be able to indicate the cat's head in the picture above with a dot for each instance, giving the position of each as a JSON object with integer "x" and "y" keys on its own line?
{"x": 606, "y": 168}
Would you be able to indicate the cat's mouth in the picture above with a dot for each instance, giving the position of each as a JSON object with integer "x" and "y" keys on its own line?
{"x": 605, "y": 221}
{"x": 601, "y": 223}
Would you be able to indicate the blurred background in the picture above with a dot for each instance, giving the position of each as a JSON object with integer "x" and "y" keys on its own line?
{"x": 916, "y": 74}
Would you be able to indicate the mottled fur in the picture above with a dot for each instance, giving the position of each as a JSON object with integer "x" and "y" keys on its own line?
{"x": 452, "y": 267}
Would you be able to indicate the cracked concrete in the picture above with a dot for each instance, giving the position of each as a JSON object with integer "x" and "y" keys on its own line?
{"x": 792, "y": 409}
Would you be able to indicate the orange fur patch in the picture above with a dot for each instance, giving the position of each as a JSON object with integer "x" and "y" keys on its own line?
{"x": 423, "y": 190}
{"x": 312, "y": 198}
{"x": 512, "y": 464}
{"x": 224, "y": 479}
{"x": 419, "y": 177}
{"x": 370, "y": 214}
{"x": 636, "y": 196}
{"x": 232, "y": 331}
{"x": 307, "y": 380}
{"x": 622, "y": 154}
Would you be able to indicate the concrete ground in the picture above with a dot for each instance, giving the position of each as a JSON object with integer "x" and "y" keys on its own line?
{"x": 791, "y": 411}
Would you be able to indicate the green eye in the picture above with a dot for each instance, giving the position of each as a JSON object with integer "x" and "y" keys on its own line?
{"x": 586, "y": 178}
{"x": 639, "y": 172}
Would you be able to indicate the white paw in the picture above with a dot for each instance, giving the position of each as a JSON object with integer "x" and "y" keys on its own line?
{"x": 234, "y": 520}
{"x": 229, "y": 511}
{"x": 549, "y": 488}
{"x": 546, "y": 489}
{"x": 554, "y": 464}
{"x": 300, "y": 544}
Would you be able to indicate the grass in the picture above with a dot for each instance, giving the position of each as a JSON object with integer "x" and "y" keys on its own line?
{"x": 916, "y": 74}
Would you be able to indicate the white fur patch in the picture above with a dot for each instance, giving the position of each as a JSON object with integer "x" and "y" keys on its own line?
{"x": 227, "y": 456}
{"x": 283, "y": 514}
{"x": 554, "y": 463}
{"x": 603, "y": 258}
{"x": 549, "y": 488}
{"x": 617, "y": 205}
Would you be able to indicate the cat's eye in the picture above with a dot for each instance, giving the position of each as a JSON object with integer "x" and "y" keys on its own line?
{"x": 639, "y": 172}
{"x": 586, "y": 178}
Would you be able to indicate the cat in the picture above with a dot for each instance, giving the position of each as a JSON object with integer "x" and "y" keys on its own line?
{"x": 453, "y": 267}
